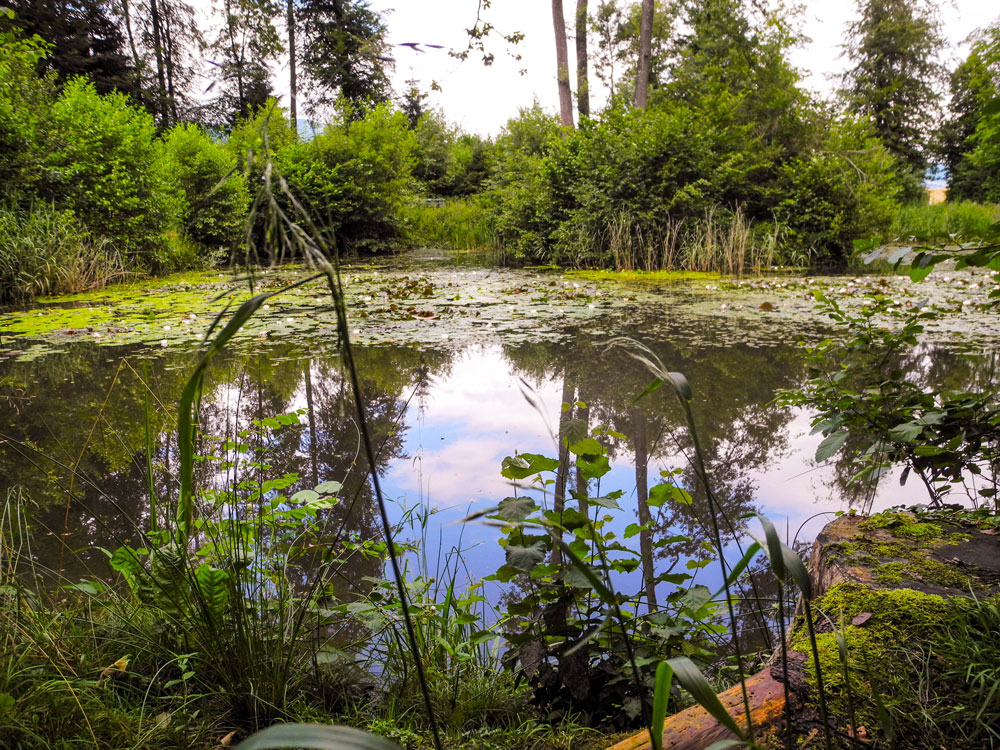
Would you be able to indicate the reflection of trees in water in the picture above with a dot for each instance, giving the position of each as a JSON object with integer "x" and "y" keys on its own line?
{"x": 741, "y": 432}
{"x": 934, "y": 368}
{"x": 87, "y": 409}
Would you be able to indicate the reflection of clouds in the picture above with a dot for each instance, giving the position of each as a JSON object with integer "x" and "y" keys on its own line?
{"x": 482, "y": 393}
{"x": 794, "y": 488}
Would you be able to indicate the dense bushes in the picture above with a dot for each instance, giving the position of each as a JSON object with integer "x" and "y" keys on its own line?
{"x": 101, "y": 161}
{"x": 212, "y": 195}
{"x": 85, "y": 177}
{"x": 656, "y": 180}
{"x": 354, "y": 177}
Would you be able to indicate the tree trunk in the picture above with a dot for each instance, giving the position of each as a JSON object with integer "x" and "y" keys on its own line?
{"x": 562, "y": 65}
{"x": 311, "y": 412}
{"x": 583, "y": 417}
{"x": 169, "y": 65}
{"x": 161, "y": 105}
{"x": 582, "y": 75}
{"x": 645, "y": 53}
{"x": 642, "y": 497}
{"x": 135, "y": 52}
{"x": 562, "y": 473}
{"x": 292, "y": 81}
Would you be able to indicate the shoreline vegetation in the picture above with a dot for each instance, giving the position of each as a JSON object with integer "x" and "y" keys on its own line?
{"x": 247, "y": 605}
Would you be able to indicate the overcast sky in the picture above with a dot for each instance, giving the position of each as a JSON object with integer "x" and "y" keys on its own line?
{"x": 481, "y": 99}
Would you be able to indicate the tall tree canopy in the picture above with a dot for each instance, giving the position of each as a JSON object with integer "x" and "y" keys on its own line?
{"x": 85, "y": 40}
{"x": 344, "y": 53}
{"x": 895, "y": 75}
{"x": 246, "y": 44}
{"x": 971, "y": 139}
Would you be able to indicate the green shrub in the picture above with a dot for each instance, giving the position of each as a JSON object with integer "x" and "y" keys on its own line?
{"x": 214, "y": 197}
{"x": 449, "y": 163}
{"x": 101, "y": 162}
{"x": 355, "y": 178}
{"x": 460, "y": 224}
{"x": 844, "y": 189}
{"x": 25, "y": 101}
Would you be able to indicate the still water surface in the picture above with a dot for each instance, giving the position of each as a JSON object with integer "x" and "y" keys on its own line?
{"x": 444, "y": 417}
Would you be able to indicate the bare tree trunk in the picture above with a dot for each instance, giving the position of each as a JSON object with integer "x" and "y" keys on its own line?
{"x": 641, "y": 444}
{"x": 292, "y": 81}
{"x": 562, "y": 65}
{"x": 135, "y": 52}
{"x": 311, "y": 412}
{"x": 169, "y": 65}
{"x": 645, "y": 53}
{"x": 161, "y": 105}
{"x": 582, "y": 74}
{"x": 562, "y": 473}
{"x": 583, "y": 417}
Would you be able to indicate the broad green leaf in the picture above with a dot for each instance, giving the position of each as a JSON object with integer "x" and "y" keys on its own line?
{"x": 605, "y": 502}
{"x": 830, "y": 445}
{"x": 304, "y": 496}
{"x": 587, "y": 447}
{"x": 526, "y": 465}
{"x": 906, "y": 432}
{"x": 525, "y": 558}
{"x": 329, "y": 488}
{"x": 516, "y": 508}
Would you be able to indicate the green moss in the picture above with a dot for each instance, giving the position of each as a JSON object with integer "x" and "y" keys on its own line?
{"x": 600, "y": 275}
{"x": 893, "y": 563}
{"x": 902, "y": 525}
{"x": 893, "y": 652}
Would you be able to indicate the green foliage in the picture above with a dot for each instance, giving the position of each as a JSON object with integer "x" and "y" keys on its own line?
{"x": 893, "y": 47}
{"x": 459, "y": 224}
{"x": 694, "y": 185}
{"x": 963, "y": 219}
{"x": 447, "y": 162}
{"x": 971, "y": 139}
{"x": 101, "y": 161}
{"x": 213, "y": 195}
{"x": 919, "y": 658}
{"x": 585, "y": 647}
{"x": 25, "y": 103}
{"x": 344, "y": 54}
{"x": 866, "y": 404}
{"x": 846, "y": 188}
{"x": 354, "y": 177}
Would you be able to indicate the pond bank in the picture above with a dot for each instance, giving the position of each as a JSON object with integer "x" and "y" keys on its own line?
{"x": 904, "y": 605}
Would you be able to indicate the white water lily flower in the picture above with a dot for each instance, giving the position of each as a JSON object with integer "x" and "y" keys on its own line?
{"x": 166, "y": 328}
{"x": 723, "y": 306}
{"x": 591, "y": 305}
{"x": 266, "y": 307}
{"x": 163, "y": 342}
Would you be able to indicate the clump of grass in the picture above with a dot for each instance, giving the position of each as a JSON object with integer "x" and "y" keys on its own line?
{"x": 46, "y": 251}
{"x": 721, "y": 241}
{"x": 964, "y": 219}
{"x": 461, "y": 224}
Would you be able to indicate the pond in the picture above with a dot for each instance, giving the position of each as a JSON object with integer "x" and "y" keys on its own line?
{"x": 459, "y": 367}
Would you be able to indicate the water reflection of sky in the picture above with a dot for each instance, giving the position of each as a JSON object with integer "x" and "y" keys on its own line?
{"x": 461, "y": 411}
{"x": 477, "y": 414}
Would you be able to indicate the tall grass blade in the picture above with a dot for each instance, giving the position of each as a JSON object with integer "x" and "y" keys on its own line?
{"x": 691, "y": 678}
{"x": 661, "y": 697}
